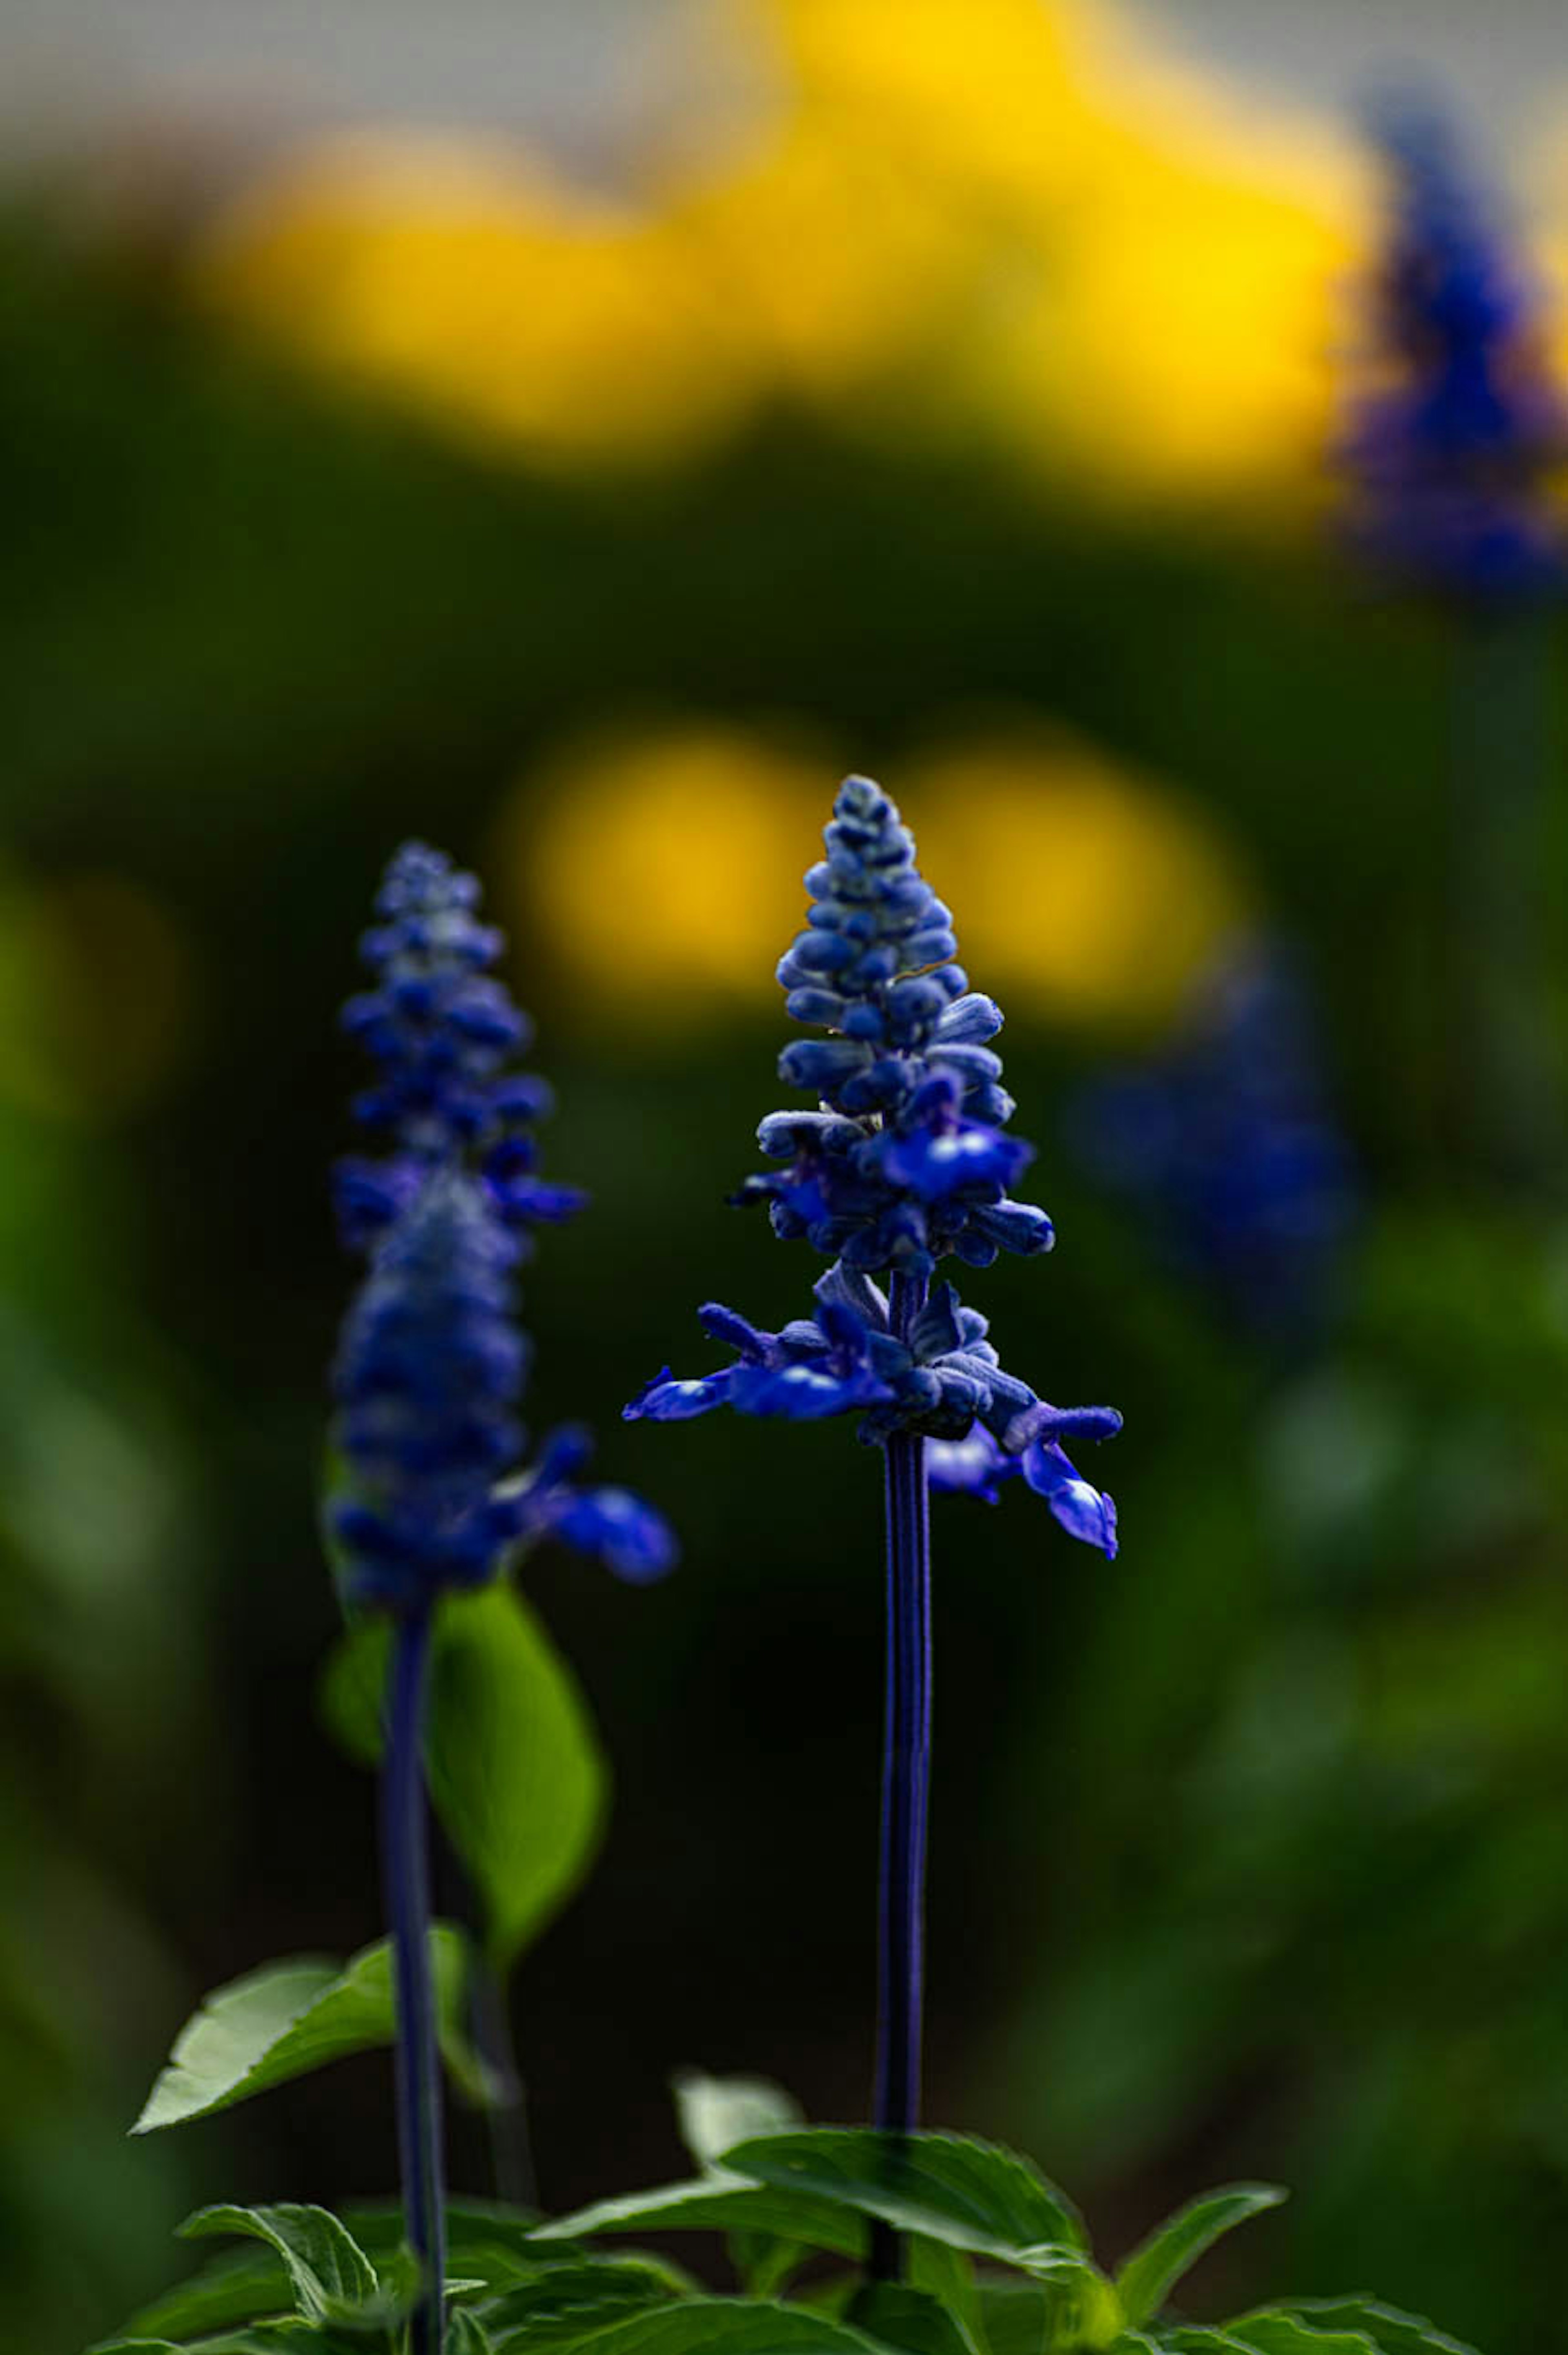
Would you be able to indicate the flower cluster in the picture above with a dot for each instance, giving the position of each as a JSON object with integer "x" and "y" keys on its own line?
{"x": 431, "y": 1362}
{"x": 1451, "y": 448}
{"x": 442, "y": 1029}
{"x": 904, "y": 1160}
{"x": 1228, "y": 1145}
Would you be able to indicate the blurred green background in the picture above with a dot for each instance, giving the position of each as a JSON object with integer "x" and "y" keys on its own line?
{"x": 942, "y": 392}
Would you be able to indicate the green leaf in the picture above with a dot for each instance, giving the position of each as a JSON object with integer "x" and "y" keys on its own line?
{"x": 516, "y": 1774}
{"x": 466, "y": 2335}
{"x": 242, "y": 2286}
{"x": 908, "y": 2319}
{"x": 486, "y": 2243}
{"x": 570, "y": 2301}
{"x": 1200, "y": 2339}
{"x": 716, "y": 2113}
{"x": 707, "y": 2204}
{"x": 947, "y": 2274}
{"x": 713, "y": 2113}
{"x": 1014, "y": 2317}
{"x": 972, "y": 2194}
{"x": 1391, "y": 2332}
{"x": 1273, "y": 2330}
{"x": 328, "y": 2271}
{"x": 1157, "y": 2264}
{"x": 725, "y": 2325}
{"x": 287, "y": 2018}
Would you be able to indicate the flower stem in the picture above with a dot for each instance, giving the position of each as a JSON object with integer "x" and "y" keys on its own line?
{"x": 906, "y": 1780}
{"x": 406, "y": 1863}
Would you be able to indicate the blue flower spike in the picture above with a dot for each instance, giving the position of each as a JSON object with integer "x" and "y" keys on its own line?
{"x": 904, "y": 1160}
{"x": 1451, "y": 448}
{"x": 430, "y": 1369}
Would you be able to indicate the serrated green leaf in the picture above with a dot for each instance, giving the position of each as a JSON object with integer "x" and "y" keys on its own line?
{"x": 516, "y": 1774}
{"x": 1273, "y": 2330}
{"x": 242, "y": 2286}
{"x": 725, "y": 2325}
{"x": 488, "y": 2242}
{"x": 287, "y": 2018}
{"x": 703, "y": 2205}
{"x": 568, "y": 2301}
{"x": 952, "y": 2188}
{"x": 897, "y": 2316}
{"x": 1148, "y": 2277}
{"x": 1393, "y": 2332}
{"x": 329, "y": 2272}
{"x": 715, "y": 2113}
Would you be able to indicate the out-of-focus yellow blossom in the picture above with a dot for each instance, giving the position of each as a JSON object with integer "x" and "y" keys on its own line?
{"x": 1083, "y": 893}
{"x": 1184, "y": 338}
{"x": 467, "y": 279}
{"x": 665, "y": 870}
{"x": 97, "y": 998}
{"x": 1011, "y": 218}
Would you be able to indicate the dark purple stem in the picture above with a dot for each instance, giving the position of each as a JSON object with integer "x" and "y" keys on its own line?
{"x": 405, "y": 1847}
{"x": 906, "y": 1782}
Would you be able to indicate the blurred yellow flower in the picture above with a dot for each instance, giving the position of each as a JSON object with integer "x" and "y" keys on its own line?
{"x": 1084, "y": 893}
{"x": 468, "y": 280}
{"x": 1185, "y": 337}
{"x": 663, "y": 872}
{"x": 1013, "y": 218}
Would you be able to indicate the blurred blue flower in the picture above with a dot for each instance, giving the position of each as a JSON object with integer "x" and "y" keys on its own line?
{"x": 904, "y": 1159}
{"x": 1450, "y": 448}
{"x": 443, "y": 1031}
{"x": 1228, "y": 1144}
{"x": 432, "y": 1361}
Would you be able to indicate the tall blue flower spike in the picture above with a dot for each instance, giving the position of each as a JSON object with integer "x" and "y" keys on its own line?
{"x": 904, "y": 1160}
{"x": 431, "y": 1362}
{"x": 1451, "y": 448}
{"x": 429, "y": 1372}
{"x": 1228, "y": 1144}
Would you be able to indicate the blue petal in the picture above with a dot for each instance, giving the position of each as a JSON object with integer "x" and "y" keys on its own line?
{"x": 726, "y": 1325}
{"x": 1082, "y": 1510}
{"x": 805, "y": 1393}
{"x": 974, "y": 1466}
{"x": 620, "y": 1530}
{"x": 666, "y": 1399}
{"x": 935, "y": 1163}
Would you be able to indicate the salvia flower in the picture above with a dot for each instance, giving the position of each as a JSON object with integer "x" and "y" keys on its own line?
{"x": 432, "y": 1361}
{"x": 444, "y": 1031}
{"x": 904, "y": 1159}
{"x": 1228, "y": 1144}
{"x": 1450, "y": 448}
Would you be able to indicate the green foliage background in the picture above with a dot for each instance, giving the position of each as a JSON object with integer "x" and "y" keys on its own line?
{"x": 1250, "y": 1852}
